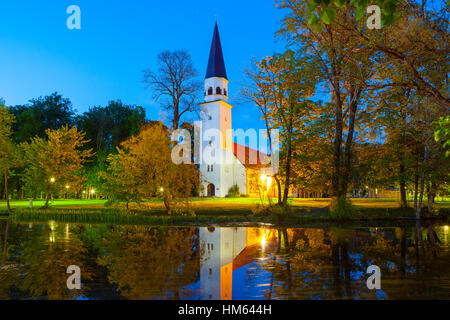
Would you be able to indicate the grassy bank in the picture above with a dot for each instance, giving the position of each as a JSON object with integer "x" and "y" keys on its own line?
{"x": 297, "y": 216}
{"x": 215, "y": 211}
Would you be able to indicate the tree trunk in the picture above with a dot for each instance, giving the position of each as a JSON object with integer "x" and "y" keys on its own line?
{"x": 403, "y": 202}
{"x": 6, "y": 190}
{"x": 288, "y": 172}
{"x": 422, "y": 183}
{"x": 337, "y": 152}
{"x": 416, "y": 190}
{"x": 46, "y": 201}
{"x": 279, "y": 189}
{"x": 167, "y": 204}
{"x": 431, "y": 195}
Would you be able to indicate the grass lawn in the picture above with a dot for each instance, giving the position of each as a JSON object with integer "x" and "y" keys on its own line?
{"x": 63, "y": 203}
{"x": 224, "y": 204}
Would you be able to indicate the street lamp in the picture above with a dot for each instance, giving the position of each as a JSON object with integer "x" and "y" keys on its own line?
{"x": 161, "y": 189}
{"x": 52, "y": 180}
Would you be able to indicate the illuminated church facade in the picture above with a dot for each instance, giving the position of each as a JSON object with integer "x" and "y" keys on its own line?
{"x": 232, "y": 165}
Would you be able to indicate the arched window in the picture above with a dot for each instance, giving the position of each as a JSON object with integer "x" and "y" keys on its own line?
{"x": 218, "y": 90}
{"x": 210, "y": 91}
{"x": 224, "y": 92}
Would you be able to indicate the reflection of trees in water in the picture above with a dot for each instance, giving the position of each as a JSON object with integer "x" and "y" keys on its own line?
{"x": 332, "y": 264}
{"x": 37, "y": 261}
{"x": 147, "y": 262}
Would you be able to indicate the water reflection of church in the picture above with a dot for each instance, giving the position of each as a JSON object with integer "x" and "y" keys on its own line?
{"x": 225, "y": 251}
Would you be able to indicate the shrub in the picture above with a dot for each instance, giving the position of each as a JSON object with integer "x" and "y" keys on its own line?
{"x": 233, "y": 192}
{"x": 341, "y": 209}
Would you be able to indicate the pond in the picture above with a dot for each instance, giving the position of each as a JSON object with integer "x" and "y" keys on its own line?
{"x": 144, "y": 262}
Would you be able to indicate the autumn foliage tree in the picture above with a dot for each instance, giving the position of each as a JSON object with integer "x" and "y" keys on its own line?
{"x": 55, "y": 162}
{"x": 143, "y": 169}
{"x": 8, "y": 154}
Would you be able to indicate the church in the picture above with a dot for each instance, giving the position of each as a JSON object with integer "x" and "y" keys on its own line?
{"x": 233, "y": 167}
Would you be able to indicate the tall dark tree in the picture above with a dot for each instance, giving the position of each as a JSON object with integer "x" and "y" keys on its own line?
{"x": 49, "y": 112}
{"x": 174, "y": 83}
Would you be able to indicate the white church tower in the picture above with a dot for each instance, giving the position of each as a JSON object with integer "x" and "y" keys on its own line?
{"x": 218, "y": 177}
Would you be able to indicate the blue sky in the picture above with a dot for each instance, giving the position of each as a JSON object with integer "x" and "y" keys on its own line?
{"x": 118, "y": 39}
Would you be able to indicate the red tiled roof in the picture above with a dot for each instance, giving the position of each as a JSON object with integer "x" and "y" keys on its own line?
{"x": 248, "y": 156}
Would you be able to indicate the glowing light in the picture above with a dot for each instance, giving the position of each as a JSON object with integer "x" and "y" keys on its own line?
{"x": 52, "y": 180}
{"x": 266, "y": 180}
{"x": 92, "y": 191}
{"x": 263, "y": 240}
{"x": 84, "y": 192}
{"x": 67, "y": 187}
{"x": 263, "y": 178}
{"x": 161, "y": 189}
{"x": 269, "y": 182}
{"x": 446, "y": 228}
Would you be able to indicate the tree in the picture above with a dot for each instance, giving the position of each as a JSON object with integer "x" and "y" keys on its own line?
{"x": 343, "y": 66}
{"x": 106, "y": 128}
{"x": 442, "y": 133}
{"x": 55, "y": 162}
{"x": 175, "y": 81}
{"x": 143, "y": 168}
{"x": 414, "y": 35}
{"x": 49, "y": 112}
{"x": 8, "y": 154}
{"x": 287, "y": 74}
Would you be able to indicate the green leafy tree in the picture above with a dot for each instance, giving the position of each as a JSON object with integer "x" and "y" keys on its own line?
{"x": 8, "y": 152}
{"x": 55, "y": 162}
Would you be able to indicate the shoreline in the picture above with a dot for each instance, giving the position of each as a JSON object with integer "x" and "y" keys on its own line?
{"x": 117, "y": 217}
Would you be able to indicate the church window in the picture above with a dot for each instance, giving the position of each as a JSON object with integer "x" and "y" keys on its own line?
{"x": 224, "y": 92}
{"x": 212, "y": 169}
{"x": 208, "y": 168}
{"x": 210, "y": 91}
{"x": 218, "y": 90}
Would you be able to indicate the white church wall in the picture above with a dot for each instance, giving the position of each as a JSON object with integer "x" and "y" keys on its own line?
{"x": 214, "y": 83}
{"x": 210, "y": 264}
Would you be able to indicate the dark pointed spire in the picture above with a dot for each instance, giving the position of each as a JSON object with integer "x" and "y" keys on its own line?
{"x": 216, "y": 65}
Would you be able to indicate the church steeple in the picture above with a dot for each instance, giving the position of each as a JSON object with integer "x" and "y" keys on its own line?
{"x": 216, "y": 81}
{"x": 216, "y": 64}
